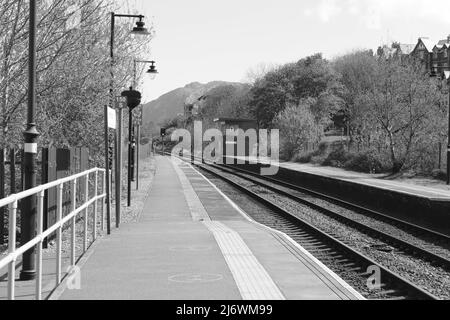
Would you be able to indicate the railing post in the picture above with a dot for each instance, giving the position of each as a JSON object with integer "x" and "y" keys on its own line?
{"x": 40, "y": 216}
{"x": 95, "y": 205}
{"x": 74, "y": 221}
{"x": 104, "y": 202}
{"x": 59, "y": 209}
{"x": 86, "y": 212}
{"x": 12, "y": 249}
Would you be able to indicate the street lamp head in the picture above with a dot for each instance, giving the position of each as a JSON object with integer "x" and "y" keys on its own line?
{"x": 140, "y": 28}
{"x": 152, "y": 70}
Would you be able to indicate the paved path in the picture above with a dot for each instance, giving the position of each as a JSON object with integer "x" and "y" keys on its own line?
{"x": 192, "y": 243}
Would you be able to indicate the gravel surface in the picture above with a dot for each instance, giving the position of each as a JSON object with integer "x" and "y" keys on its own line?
{"x": 424, "y": 241}
{"x": 261, "y": 214}
{"x": 433, "y": 279}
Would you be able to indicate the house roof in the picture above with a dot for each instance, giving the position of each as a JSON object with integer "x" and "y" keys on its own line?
{"x": 407, "y": 48}
{"x": 443, "y": 42}
{"x": 428, "y": 43}
{"x": 440, "y": 46}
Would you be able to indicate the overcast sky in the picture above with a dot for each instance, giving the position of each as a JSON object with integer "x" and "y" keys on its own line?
{"x": 206, "y": 40}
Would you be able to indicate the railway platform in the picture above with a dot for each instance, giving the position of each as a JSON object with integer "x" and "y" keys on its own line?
{"x": 193, "y": 243}
{"x": 423, "y": 188}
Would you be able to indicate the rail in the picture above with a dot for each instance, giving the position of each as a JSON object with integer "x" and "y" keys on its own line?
{"x": 12, "y": 201}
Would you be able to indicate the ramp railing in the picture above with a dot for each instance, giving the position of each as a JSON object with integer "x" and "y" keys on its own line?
{"x": 14, "y": 253}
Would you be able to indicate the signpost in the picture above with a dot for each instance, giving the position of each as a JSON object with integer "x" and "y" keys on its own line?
{"x": 110, "y": 123}
{"x": 119, "y": 161}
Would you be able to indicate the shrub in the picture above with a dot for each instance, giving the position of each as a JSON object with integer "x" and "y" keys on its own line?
{"x": 318, "y": 159}
{"x": 337, "y": 158}
{"x": 303, "y": 158}
{"x": 439, "y": 174}
{"x": 367, "y": 162}
{"x": 317, "y": 156}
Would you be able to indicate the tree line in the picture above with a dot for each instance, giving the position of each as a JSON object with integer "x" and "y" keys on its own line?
{"x": 73, "y": 70}
{"x": 392, "y": 111}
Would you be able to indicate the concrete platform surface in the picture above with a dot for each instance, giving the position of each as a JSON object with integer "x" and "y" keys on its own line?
{"x": 193, "y": 243}
{"x": 438, "y": 191}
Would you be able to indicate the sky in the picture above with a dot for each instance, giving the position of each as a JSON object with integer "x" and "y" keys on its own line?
{"x": 207, "y": 40}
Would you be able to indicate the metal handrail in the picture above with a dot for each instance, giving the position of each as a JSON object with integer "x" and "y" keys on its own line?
{"x": 12, "y": 201}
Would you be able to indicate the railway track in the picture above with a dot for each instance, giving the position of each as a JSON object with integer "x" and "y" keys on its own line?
{"x": 436, "y": 240}
{"x": 327, "y": 247}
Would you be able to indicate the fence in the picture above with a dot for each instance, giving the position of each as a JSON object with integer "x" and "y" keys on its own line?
{"x": 43, "y": 233}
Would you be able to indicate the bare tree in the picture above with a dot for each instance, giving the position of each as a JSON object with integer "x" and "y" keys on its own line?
{"x": 72, "y": 68}
{"x": 403, "y": 105}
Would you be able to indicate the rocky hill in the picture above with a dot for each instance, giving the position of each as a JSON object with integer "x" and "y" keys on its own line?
{"x": 169, "y": 105}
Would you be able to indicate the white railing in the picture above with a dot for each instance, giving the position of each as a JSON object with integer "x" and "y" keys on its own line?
{"x": 12, "y": 201}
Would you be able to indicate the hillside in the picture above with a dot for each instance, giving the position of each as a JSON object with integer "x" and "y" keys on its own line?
{"x": 172, "y": 103}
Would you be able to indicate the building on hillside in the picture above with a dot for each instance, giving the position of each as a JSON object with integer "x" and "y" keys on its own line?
{"x": 396, "y": 50}
{"x": 423, "y": 52}
{"x": 435, "y": 57}
{"x": 441, "y": 57}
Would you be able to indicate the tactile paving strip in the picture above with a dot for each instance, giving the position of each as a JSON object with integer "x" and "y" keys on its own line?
{"x": 252, "y": 279}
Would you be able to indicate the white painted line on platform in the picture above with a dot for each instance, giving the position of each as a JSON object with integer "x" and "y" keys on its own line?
{"x": 196, "y": 207}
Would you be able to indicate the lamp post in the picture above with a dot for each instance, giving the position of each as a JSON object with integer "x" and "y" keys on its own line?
{"x": 152, "y": 72}
{"x": 31, "y": 135}
{"x": 138, "y": 30}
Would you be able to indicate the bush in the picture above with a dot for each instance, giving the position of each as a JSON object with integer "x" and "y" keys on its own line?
{"x": 303, "y": 158}
{"x": 318, "y": 159}
{"x": 337, "y": 158}
{"x": 317, "y": 156}
{"x": 439, "y": 174}
{"x": 367, "y": 162}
